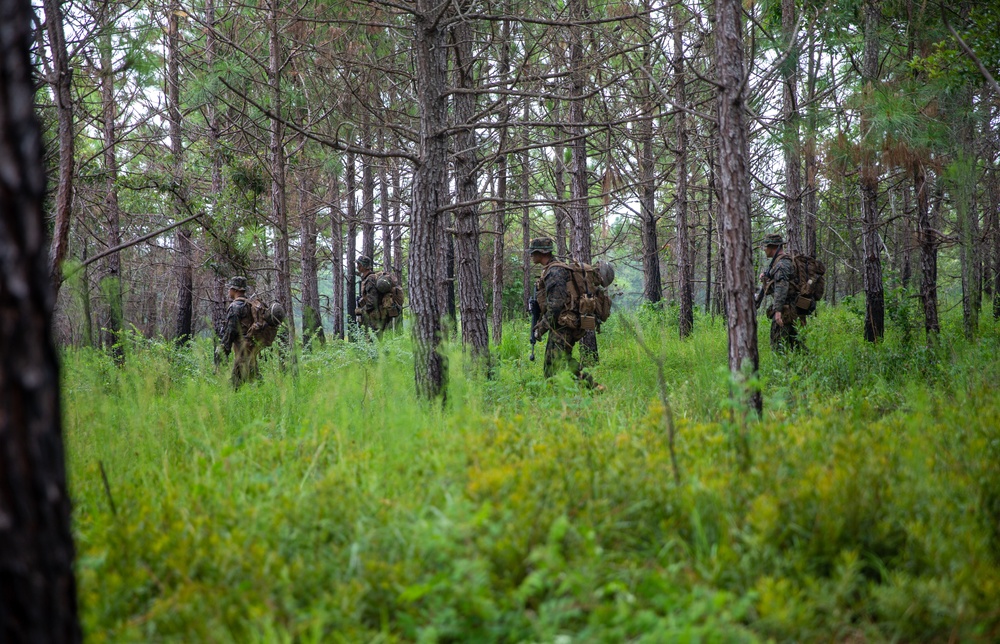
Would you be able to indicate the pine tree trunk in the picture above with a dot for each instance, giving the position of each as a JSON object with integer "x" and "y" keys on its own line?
{"x": 475, "y": 332}
{"x": 352, "y": 236}
{"x": 312, "y": 324}
{"x": 685, "y": 269}
{"x": 734, "y": 196}
{"x": 928, "y": 255}
{"x": 37, "y": 584}
{"x": 559, "y": 183}
{"x": 184, "y": 271}
{"x": 337, "y": 253}
{"x": 367, "y": 196}
{"x": 111, "y": 325}
{"x": 528, "y": 287}
{"x": 384, "y": 207}
{"x": 652, "y": 285}
{"x": 809, "y": 199}
{"x": 500, "y": 203}
{"x": 790, "y": 118}
{"x": 430, "y": 189}
{"x": 868, "y": 183}
{"x": 61, "y": 81}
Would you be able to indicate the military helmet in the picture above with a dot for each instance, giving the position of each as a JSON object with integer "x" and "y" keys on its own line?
{"x": 238, "y": 284}
{"x": 606, "y": 273}
{"x": 364, "y": 260}
{"x": 543, "y": 245}
{"x": 274, "y": 314}
{"x": 774, "y": 239}
{"x": 383, "y": 284}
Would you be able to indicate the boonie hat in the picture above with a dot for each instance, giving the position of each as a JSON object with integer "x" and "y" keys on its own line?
{"x": 238, "y": 283}
{"x": 774, "y": 239}
{"x": 541, "y": 245}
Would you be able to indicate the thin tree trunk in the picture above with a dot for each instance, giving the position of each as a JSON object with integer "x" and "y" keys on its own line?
{"x": 928, "y": 255}
{"x": 734, "y": 195}
{"x": 61, "y": 81}
{"x": 809, "y": 199}
{"x": 397, "y": 218}
{"x": 475, "y": 332}
{"x": 559, "y": 183}
{"x": 111, "y": 280}
{"x": 685, "y": 270}
{"x": 579, "y": 186}
{"x": 312, "y": 324}
{"x": 279, "y": 210}
{"x": 337, "y": 251}
{"x": 37, "y": 585}
{"x": 500, "y": 203}
{"x": 527, "y": 286}
{"x": 352, "y": 236}
{"x": 790, "y": 116}
{"x": 367, "y": 196}
{"x": 383, "y": 211}
{"x": 868, "y": 183}
{"x": 652, "y": 286}
{"x": 429, "y": 194}
{"x": 184, "y": 271}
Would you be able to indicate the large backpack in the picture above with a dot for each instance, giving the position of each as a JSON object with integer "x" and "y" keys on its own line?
{"x": 265, "y": 319}
{"x": 589, "y": 303}
{"x": 390, "y": 293}
{"x": 810, "y": 282}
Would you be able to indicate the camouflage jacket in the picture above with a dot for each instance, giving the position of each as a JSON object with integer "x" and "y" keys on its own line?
{"x": 369, "y": 298}
{"x": 551, "y": 289}
{"x": 238, "y": 320}
{"x": 783, "y": 274}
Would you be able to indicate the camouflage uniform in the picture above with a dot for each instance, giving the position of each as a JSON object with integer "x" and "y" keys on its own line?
{"x": 372, "y": 315}
{"x": 786, "y": 335}
{"x": 236, "y": 336}
{"x": 552, "y": 289}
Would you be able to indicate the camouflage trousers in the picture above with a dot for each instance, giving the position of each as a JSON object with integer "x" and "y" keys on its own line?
{"x": 785, "y": 337}
{"x": 559, "y": 355}
{"x": 245, "y": 367}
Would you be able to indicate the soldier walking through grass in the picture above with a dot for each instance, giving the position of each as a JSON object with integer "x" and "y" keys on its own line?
{"x": 779, "y": 280}
{"x": 251, "y": 326}
{"x": 552, "y": 295}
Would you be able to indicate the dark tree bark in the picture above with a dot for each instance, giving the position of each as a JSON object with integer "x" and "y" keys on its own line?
{"x": 685, "y": 268}
{"x": 809, "y": 198}
{"x": 279, "y": 209}
{"x": 734, "y": 194}
{"x": 528, "y": 287}
{"x": 790, "y": 116}
{"x": 337, "y": 251}
{"x": 868, "y": 182}
{"x": 928, "y": 254}
{"x": 111, "y": 324}
{"x": 367, "y": 196}
{"x": 475, "y": 332}
{"x": 61, "y": 81}
{"x": 397, "y": 219}
{"x": 184, "y": 271}
{"x": 652, "y": 286}
{"x": 559, "y": 183}
{"x": 579, "y": 209}
{"x": 312, "y": 324}
{"x": 429, "y": 194}
{"x": 352, "y": 236}
{"x": 37, "y": 586}
{"x": 500, "y": 203}
{"x": 384, "y": 207}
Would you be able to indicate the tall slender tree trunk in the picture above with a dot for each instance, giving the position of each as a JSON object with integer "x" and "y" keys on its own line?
{"x": 312, "y": 323}
{"x": 367, "y": 196}
{"x": 429, "y": 194}
{"x": 220, "y": 298}
{"x": 685, "y": 268}
{"x": 579, "y": 186}
{"x": 111, "y": 325}
{"x": 279, "y": 209}
{"x": 397, "y": 219}
{"x": 868, "y": 183}
{"x": 37, "y": 585}
{"x": 928, "y": 254}
{"x": 559, "y": 183}
{"x": 384, "y": 207}
{"x": 790, "y": 116}
{"x": 809, "y": 198}
{"x": 475, "y": 332}
{"x": 61, "y": 81}
{"x": 184, "y": 270}
{"x": 524, "y": 179}
{"x": 500, "y": 203}
{"x": 652, "y": 286}
{"x": 734, "y": 195}
{"x": 337, "y": 252}
{"x": 352, "y": 236}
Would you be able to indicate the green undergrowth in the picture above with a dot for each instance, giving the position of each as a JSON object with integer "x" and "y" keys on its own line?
{"x": 328, "y": 503}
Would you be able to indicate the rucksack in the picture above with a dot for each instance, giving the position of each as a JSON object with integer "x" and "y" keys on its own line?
{"x": 391, "y": 292}
{"x": 265, "y": 319}
{"x": 589, "y": 303}
{"x": 810, "y": 281}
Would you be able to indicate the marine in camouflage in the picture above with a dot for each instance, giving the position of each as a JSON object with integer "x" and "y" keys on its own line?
{"x": 784, "y": 335}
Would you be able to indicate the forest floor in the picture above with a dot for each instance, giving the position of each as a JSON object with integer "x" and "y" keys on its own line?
{"x": 333, "y": 505}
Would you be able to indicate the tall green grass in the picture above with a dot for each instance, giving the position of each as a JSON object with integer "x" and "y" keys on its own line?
{"x": 333, "y": 505}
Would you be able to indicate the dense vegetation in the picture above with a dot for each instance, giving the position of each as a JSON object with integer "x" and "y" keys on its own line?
{"x": 334, "y": 505}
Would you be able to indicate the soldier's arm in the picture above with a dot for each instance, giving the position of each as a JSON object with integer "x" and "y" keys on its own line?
{"x": 782, "y": 278}
{"x": 231, "y": 331}
{"x": 556, "y": 295}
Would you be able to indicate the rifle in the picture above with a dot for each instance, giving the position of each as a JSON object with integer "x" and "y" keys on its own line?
{"x": 536, "y": 313}
{"x": 765, "y": 282}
